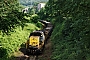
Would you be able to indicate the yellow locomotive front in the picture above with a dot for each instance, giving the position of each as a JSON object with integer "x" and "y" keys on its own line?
{"x": 36, "y": 42}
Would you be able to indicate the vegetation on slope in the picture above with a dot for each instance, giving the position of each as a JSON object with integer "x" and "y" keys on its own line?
{"x": 15, "y": 27}
{"x": 10, "y": 43}
{"x": 10, "y": 16}
{"x": 71, "y": 34}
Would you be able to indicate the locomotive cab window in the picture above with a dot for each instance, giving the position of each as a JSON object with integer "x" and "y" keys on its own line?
{"x": 35, "y": 34}
{"x": 38, "y": 34}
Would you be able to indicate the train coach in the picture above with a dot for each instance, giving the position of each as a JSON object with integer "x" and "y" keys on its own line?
{"x": 37, "y": 39}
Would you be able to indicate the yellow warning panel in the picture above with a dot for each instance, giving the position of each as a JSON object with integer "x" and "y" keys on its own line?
{"x": 34, "y": 40}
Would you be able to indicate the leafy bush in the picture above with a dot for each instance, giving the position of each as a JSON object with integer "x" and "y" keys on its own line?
{"x": 11, "y": 42}
{"x": 34, "y": 18}
{"x": 10, "y": 16}
{"x": 70, "y": 37}
{"x": 3, "y": 52}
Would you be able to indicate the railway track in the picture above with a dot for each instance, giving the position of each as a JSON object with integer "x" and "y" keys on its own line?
{"x": 32, "y": 58}
{"x": 45, "y": 56}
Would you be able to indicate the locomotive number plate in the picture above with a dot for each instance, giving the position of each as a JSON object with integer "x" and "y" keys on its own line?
{"x": 34, "y": 40}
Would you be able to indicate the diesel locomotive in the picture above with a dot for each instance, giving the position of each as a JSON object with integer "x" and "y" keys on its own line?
{"x": 37, "y": 39}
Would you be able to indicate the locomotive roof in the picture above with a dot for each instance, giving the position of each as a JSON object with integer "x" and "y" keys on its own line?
{"x": 44, "y": 21}
{"x": 38, "y": 31}
{"x": 48, "y": 28}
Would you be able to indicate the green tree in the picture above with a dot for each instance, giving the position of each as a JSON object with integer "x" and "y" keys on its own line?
{"x": 10, "y": 16}
{"x": 72, "y": 21}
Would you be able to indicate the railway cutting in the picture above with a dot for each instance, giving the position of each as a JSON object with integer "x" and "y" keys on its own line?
{"x": 36, "y": 44}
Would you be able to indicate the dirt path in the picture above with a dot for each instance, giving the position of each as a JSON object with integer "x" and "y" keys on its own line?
{"x": 45, "y": 56}
{"x": 47, "y": 52}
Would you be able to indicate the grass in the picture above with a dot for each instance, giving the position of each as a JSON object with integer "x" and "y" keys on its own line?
{"x": 10, "y": 43}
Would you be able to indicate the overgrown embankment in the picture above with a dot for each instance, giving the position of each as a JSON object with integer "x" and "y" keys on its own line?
{"x": 71, "y": 34}
{"x": 15, "y": 27}
{"x": 70, "y": 41}
{"x": 10, "y": 43}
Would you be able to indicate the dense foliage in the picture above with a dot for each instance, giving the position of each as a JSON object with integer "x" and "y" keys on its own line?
{"x": 15, "y": 28}
{"x": 10, "y": 16}
{"x": 12, "y": 42}
{"x": 71, "y": 35}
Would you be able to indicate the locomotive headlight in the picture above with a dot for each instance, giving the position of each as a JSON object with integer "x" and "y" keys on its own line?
{"x": 37, "y": 46}
{"x": 29, "y": 45}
